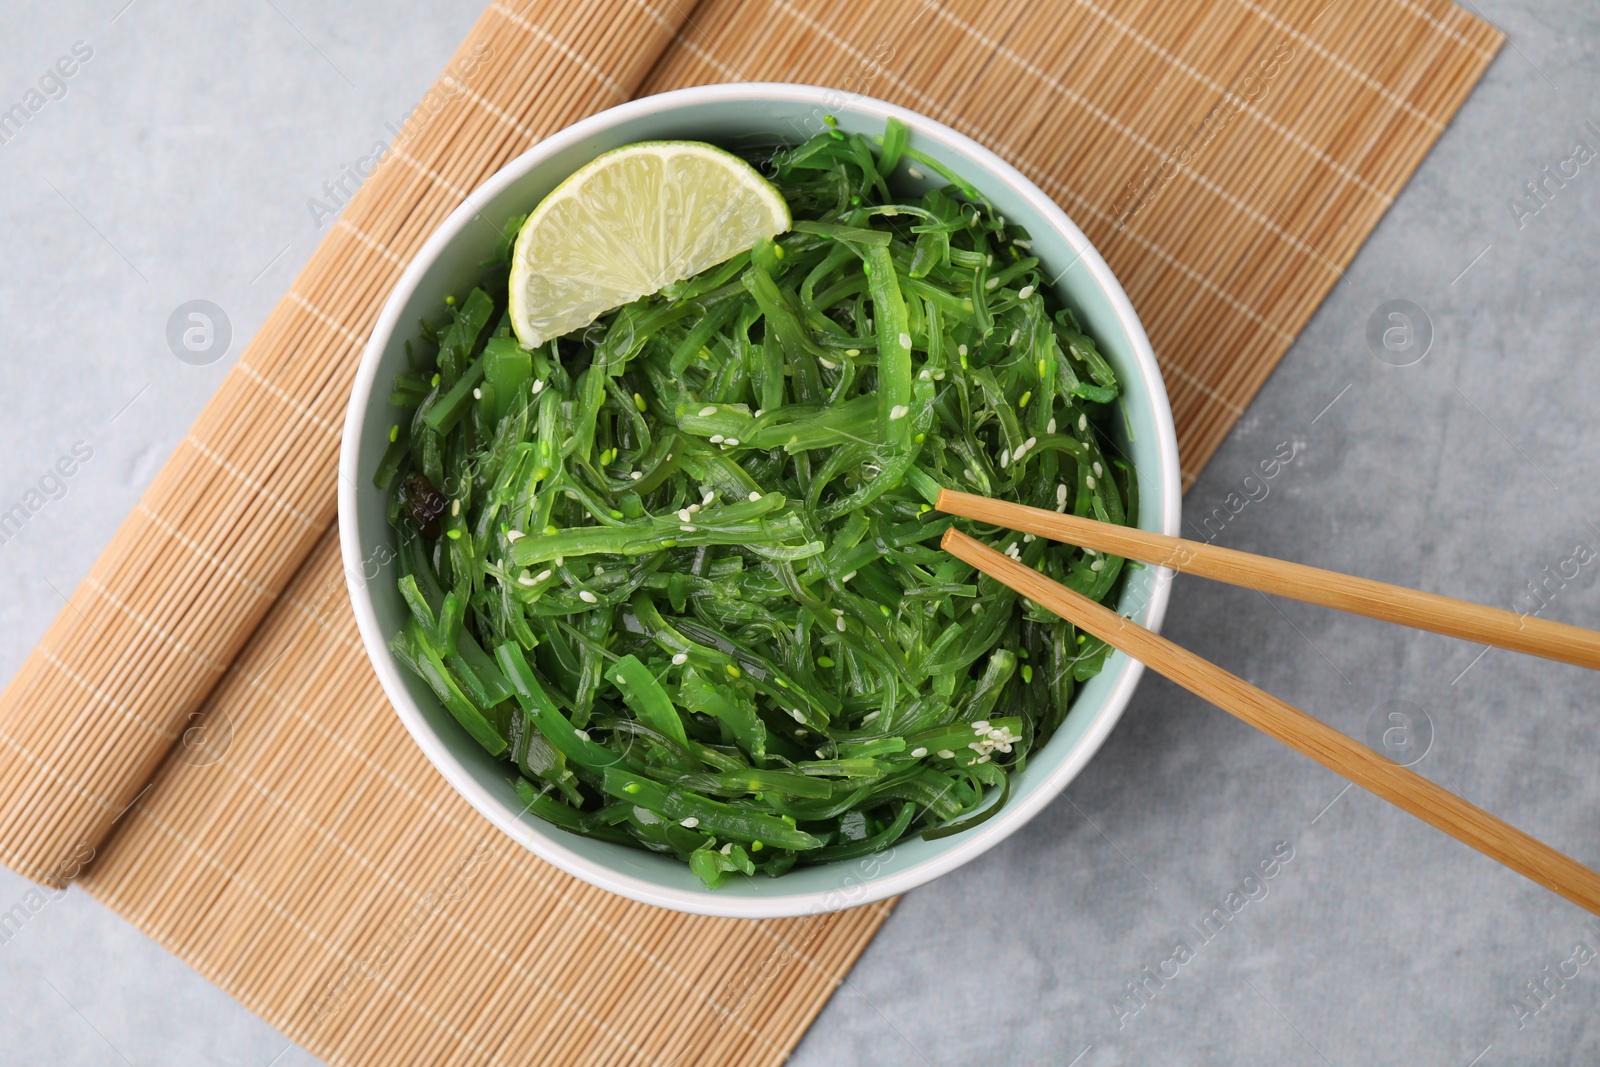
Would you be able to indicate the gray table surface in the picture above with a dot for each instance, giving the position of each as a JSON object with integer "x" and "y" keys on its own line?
{"x": 177, "y": 166}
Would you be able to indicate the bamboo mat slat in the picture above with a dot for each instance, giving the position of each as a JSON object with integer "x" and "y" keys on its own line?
{"x": 319, "y": 870}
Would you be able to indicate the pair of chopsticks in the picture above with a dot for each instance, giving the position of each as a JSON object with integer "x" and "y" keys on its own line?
{"x": 1376, "y": 773}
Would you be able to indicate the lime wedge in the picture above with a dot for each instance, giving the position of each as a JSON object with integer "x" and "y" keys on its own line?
{"x": 631, "y": 222}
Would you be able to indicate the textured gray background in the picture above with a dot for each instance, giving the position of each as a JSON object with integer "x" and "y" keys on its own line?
{"x": 177, "y": 167}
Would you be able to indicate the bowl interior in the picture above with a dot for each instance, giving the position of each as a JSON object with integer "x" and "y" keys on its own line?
{"x": 738, "y": 117}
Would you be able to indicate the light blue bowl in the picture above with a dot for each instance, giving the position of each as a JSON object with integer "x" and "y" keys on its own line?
{"x": 735, "y": 116}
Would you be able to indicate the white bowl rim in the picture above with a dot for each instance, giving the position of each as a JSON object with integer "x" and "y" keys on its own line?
{"x": 547, "y": 844}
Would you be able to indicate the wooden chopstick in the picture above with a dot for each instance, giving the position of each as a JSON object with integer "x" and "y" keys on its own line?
{"x": 1377, "y": 774}
{"x": 1330, "y": 589}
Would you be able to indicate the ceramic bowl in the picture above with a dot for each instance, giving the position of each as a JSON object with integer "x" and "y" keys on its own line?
{"x": 735, "y": 116}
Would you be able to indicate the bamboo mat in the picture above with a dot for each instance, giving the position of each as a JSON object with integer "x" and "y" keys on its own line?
{"x": 296, "y": 848}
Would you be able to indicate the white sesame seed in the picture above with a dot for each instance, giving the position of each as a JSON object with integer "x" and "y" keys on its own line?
{"x": 852, "y": 352}
{"x": 755, "y": 495}
{"x": 1098, "y": 470}
{"x": 1026, "y": 246}
{"x": 924, "y": 376}
{"x": 1088, "y": 480}
{"x": 837, "y": 611}
{"x": 1026, "y": 539}
{"x": 905, "y": 340}
{"x": 1014, "y": 335}
{"x": 693, "y": 508}
{"x": 560, "y": 560}
{"x": 686, "y": 527}
{"x": 542, "y": 576}
{"x": 838, "y": 624}
{"x": 847, "y": 577}
{"x": 826, "y": 364}
{"x": 709, "y": 409}
{"x": 980, "y": 725}
{"x": 690, "y": 823}
{"x": 716, "y": 438}
{"x": 515, "y": 535}
{"x": 538, "y": 387}
{"x": 583, "y": 735}
{"x": 1098, "y": 564}
{"x": 587, "y": 597}
{"x": 992, "y": 282}
{"x": 822, "y": 753}
{"x": 997, "y": 735}
{"x": 899, "y": 411}
{"x": 680, "y": 659}
{"x": 1061, "y": 493}
{"x": 1032, "y": 441}
{"x": 599, "y": 570}
{"x": 684, "y": 514}
{"x": 1050, "y": 427}
{"x": 726, "y": 850}
{"x": 1025, "y": 292}
{"x": 794, "y": 713}
{"x": 1005, "y": 458}
{"x": 477, "y": 394}
{"x": 978, "y": 746}
{"x": 732, "y": 442}
{"x": 918, "y": 753}
{"x": 914, "y": 174}
{"x": 636, "y": 475}
{"x": 455, "y": 507}
{"x": 1021, "y": 451}
{"x": 526, "y": 579}
{"x": 982, "y": 759}
{"x": 1083, "y": 423}
{"x": 708, "y": 497}
{"x": 988, "y": 260}
{"x": 945, "y": 753}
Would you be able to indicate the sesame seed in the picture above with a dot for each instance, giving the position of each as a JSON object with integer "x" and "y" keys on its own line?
{"x": 560, "y": 560}
{"x": 455, "y": 507}
{"x": 526, "y": 579}
{"x": 709, "y": 409}
{"x": 1061, "y": 493}
{"x": 686, "y": 527}
{"x": 1098, "y": 564}
{"x": 1098, "y": 470}
{"x": 837, "y": 611}
{"x": 477, "y": 394}
{"x": 945, "y": 753}
{"x": 587, "y": 597}
{"x": 716, "y": 438}
{"x": 684, "y": 515}
{"x": 1005, "y": 458}
{"x": 1021, "y": 451}
{"x": 905, "y": 340}
{"x": 899, "y": 411}
{"x": 692, "y": 508}
{"x": 1088, "y": 479}
{"x": 1050, "y": 427}
{"x": 1083, "y": 423}
{"x": 827, "y": 365}
{"x": 918, "y": 753}
{"x": 542, "y": 576}
{"x": 988, "y": 260}
{"x": 796, "y": 715}
{"x": 515, "y": 535}
{"x": 847, "y": 577}
{"x": 838, "y": 624}
{"x": 980, "y": 725}
{"x": 732, "y": 442}
{"x": 727, "y": 849}
{"x": 1025, "y": 292}
{"x": 914, "y": 174}
{"x": 690, "y": 823}
{"x": 636, "y": 475}
{"x": 852, "y": 352}
{"x": 680, "y": 659}
{"x": 708, "y": 497}
{"x": 538, "y": 387}
{"x": 582, "y": 735}
{"x": 992, "y": 282}
{"x": 755, "y": 495}
{"x": 1026, "y": 246}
